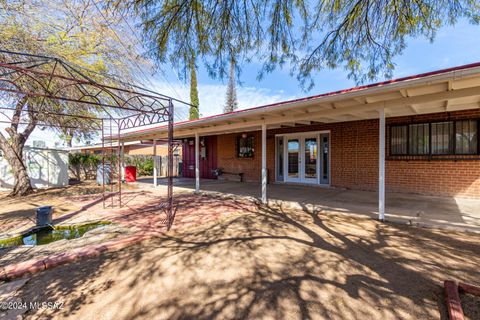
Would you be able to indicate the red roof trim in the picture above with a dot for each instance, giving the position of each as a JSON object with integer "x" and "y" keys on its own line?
{"x": 358, "y": 88}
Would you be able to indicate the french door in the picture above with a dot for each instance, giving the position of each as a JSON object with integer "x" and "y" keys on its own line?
{"x": 303, "y": 158}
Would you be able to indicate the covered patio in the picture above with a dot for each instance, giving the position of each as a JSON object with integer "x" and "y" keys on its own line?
{"x": 417, "y": 210}
{"x": 326, "y": 119}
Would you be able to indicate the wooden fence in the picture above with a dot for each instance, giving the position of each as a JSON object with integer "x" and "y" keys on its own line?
{"x": 161, "y": 164}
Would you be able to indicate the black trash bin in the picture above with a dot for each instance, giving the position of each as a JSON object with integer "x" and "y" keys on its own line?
{"x": 44, "y": 216}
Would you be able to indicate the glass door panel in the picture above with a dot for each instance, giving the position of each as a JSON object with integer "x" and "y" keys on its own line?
{"x": 325, "y": 165}
{"x": 293, "y": 156}
{"x": 280, "y": 165}
{"x": 311, "y": 156}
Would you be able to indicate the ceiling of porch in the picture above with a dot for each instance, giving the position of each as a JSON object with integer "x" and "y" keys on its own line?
{"x": 454, "y": 90}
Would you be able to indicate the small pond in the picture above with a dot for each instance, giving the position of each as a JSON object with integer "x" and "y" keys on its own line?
{"x": 45, "y": 235}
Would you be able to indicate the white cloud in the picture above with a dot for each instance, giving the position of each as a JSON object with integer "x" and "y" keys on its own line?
{"x": 212, "y": 100}
{"x": 212, "y": 97}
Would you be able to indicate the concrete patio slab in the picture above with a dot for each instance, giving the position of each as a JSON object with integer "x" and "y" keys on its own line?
{"x": 426, "y": 211}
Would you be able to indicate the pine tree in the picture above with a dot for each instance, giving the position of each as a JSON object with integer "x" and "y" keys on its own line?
{"x": 194, "y": 108}
{"x": 231, "y": 101}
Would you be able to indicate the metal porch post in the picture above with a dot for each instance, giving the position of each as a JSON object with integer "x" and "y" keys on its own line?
{"x": 170, "y": 164}
{"x": 264, "y": 163}
{"x": 123, "y": 160}
{"x": 381, "y": 166}
{"x": 197, "y": 163}
{"x": 155, "y": 174}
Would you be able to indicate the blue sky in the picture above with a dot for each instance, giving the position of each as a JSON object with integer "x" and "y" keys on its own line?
{"x": 453, "y": 46}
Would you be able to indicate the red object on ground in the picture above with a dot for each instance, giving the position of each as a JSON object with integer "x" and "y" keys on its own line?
{"x": 131, "y": 174}
{"x": 468, "y": 288}
{"x": 454, "y": 305}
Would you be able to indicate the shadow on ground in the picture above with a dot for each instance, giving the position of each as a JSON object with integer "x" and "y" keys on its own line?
{"x": 419, "y": 210}
{"x": 266, "y": 262}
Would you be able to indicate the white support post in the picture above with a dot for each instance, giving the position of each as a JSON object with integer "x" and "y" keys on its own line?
{"x": 381, "y": 166}
{"x": 122, "y": 159}
{"x": 264, "y": 163}
{"x": 155, "y": 173}
{"x": 197, "y": 163}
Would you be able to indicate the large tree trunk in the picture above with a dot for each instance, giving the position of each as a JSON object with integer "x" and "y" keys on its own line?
{"x": 13, "y": 149}
{"x": 14, "y": 157}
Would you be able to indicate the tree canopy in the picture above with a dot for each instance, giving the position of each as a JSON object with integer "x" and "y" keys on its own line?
{"x": 78, "y": 32}
{"x": 362, "y": 36}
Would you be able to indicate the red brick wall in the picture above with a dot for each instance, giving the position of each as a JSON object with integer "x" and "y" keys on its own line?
{"x": 354, "y": 159}
{"x": 441, "y": 177}
{"x": 227, "y": 156}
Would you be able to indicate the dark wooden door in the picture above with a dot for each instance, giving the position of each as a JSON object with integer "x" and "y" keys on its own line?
{"x": 208, "y": 158}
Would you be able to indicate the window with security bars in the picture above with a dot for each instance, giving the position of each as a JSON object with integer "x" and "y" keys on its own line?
{"x": 418, "y": 139}
{"x": 245, "y": 147}
{"x": 398, "y": 140}
{"x": 466, "y": 136}
{"x": 436, "y": 138}
{"x": 442, "y": 137}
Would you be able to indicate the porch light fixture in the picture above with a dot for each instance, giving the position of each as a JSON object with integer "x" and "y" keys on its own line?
{"x": 244, "y": 135}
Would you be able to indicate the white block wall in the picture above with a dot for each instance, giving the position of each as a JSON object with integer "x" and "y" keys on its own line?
{"x": 46, "y": 168}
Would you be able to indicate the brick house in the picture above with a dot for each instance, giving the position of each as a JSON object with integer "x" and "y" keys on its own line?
{"x": 417, "y": 134}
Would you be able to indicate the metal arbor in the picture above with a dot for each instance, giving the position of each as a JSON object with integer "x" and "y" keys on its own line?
{"x": 65, "y": 96}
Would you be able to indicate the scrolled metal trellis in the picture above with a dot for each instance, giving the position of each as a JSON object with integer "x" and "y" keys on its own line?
{"x": 110, "y": 106}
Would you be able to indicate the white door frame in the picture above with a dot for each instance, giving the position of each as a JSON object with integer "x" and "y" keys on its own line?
{"x": 317, "y": 165}
{"x": 301, "y": 136}
{"x": 285, "y": 159}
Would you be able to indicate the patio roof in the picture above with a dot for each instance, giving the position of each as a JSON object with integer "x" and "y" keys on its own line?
{"x": 114, "y": 144}
{"x": 444, "y": 90}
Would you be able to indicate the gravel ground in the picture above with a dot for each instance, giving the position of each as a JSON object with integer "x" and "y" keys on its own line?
{"x": 267, "y": 263}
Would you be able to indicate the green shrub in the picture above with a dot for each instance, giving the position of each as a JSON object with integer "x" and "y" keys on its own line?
{"x": 84, "y": 165}
{"x": 144, "y": 164}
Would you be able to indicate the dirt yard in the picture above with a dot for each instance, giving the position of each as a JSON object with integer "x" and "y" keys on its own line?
{"x": 18, "y": 214}
{"x": 267, "y": 263}
{"x": 70, "y": 204}
{"x": 76, "y": 205}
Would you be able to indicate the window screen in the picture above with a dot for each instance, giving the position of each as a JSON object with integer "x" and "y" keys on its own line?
{"x": 466, "y": 137}
{"x": 418, "y": 138}
{"x": 442, "y": 137}
{"x": 398, "y": 140}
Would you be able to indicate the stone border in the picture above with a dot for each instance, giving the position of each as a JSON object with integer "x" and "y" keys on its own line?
{"x": 17, "y": 270}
